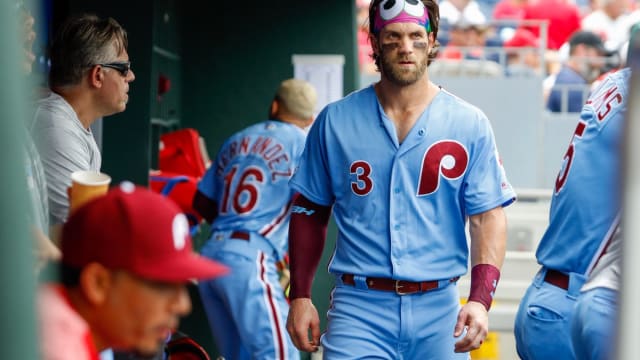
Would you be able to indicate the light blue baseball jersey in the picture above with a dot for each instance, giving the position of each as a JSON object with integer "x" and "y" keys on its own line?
{"x": 585, "y": 204}
{"x": 401, "y": 208}
{"x": 249, "y": 180}
{"x": 593, "y": 325}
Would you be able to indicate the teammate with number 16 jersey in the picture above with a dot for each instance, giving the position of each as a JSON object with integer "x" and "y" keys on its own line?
{"x": 246, "y": 197}
{"x": 249, "y": 181}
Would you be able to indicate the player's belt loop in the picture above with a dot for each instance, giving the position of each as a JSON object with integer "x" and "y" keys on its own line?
{"x": 257, "y": 241}
{"x": 360, "y": 282}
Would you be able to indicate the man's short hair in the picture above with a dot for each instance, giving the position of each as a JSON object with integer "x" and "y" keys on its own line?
{"x": 81, "y": 42}
{"x": 587, "y": 38}
{"x": 298, "y": 97}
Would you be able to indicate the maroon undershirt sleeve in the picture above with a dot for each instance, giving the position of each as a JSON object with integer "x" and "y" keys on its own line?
{"x": 307, "y": 235}
{"x": 206, "y": 207}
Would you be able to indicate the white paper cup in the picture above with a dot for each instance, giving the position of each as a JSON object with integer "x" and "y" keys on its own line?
{"x": 86, "y": 185}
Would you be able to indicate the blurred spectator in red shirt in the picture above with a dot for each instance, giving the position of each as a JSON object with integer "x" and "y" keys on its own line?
{"x": 509, "y": 10}
{"x": 507, "y": 15}
{"x": 563, "y": 17}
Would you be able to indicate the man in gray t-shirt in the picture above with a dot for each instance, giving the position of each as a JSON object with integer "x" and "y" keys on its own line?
{"x": 89, "y": 79}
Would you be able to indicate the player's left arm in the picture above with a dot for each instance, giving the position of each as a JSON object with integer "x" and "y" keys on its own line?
{"x": 488, "y": 232}
{"x": 206, "y": 207}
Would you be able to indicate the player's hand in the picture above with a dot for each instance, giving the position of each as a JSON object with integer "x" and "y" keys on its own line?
{"x": 303, "y": 317}
{"x": 44, "y": 249}
{"x": 475, "y": 319}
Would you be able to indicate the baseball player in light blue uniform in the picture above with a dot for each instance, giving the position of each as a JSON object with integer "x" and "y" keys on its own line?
{"x": 593, "y": 324}
{"x": 245, "y": 195}
{"x": 401, "y": 191}
{"x": 583, "y": 218}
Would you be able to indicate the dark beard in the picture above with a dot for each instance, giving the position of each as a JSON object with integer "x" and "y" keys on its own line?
{"x": 402, "y": 77}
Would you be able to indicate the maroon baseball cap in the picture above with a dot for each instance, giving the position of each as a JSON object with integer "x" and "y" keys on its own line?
{"x": 134, "y": 229}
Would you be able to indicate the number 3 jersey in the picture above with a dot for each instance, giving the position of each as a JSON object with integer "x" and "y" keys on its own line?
{"x": 249, "y": 180}
{"x": 401, "y": 208}
{"x": 585, "y": 204}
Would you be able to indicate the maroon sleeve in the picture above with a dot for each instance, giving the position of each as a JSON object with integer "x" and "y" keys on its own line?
{"x": 206, "y": 207}
{"x": 307, "y": 235}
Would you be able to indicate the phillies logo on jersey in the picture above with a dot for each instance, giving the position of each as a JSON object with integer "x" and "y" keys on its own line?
{"x": 445, "y": 158}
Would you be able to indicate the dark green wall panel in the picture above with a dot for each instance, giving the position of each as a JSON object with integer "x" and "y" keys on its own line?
{"x": 166, "y": 63}
{"x": 238, "y": 54}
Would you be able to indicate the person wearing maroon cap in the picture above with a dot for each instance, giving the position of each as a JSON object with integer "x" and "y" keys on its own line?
{"x": 127, "y": 258}
{"x": 562, "y": 16}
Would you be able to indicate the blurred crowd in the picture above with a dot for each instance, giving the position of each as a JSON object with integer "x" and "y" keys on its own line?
{"x": 570, "y": 44}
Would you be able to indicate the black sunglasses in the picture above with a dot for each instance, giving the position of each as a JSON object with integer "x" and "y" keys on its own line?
{"x": 122, "y": 67}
